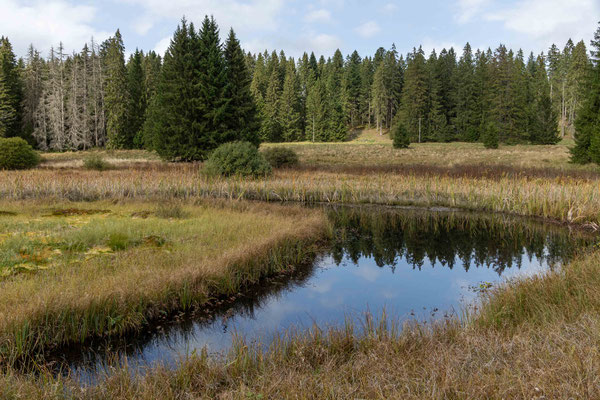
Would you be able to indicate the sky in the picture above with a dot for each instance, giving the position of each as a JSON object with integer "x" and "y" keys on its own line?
{"x": 296, "y": 26}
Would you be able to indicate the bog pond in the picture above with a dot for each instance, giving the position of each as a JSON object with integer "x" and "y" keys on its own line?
{"x": 414, "y": 264}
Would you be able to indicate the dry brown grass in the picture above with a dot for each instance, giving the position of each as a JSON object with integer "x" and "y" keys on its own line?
{"x": 370, "y": 149}
{"x": 562, "y": 197}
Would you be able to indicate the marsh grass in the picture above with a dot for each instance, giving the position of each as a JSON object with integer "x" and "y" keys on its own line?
{"x": 563, "y": 198}
{"x": 113, "y": 273}
{"x": 549, "y": 349}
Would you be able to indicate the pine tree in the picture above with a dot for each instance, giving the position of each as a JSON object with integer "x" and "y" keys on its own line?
{"x": 137, "y": 97}
{"x": 116, "y": 98}
{"x": 380, "y": 97}
{"x": 10, "y": 78}
{"x": 241, "y": 121}
{"x": 587, "y": 125}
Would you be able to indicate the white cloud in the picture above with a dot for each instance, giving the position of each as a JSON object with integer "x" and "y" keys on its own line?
{"x": 390, "y": 8}
{"x": 320, "y": 15}
{"x": 244, "y": 16}
{"x": 368, "y": 29}
{"x": 323, "y": 44}
{"x": 468, "y": 9}
{"x": 549, "y": 21}
{"x": 162, "y": 45}
{"x": 46, "y": 23}
{"x": 143, "y": 24}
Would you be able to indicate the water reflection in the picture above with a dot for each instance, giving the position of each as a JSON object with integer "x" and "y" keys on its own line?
{"x": 415, "y": 264}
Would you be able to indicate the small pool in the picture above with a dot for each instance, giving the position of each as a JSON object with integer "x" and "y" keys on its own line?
{"x": 411, "y": 263}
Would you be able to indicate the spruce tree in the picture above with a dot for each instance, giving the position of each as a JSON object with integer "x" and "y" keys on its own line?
{"x": 289, "y": 111}
{"x": 116, "y": 98}
{"x": 10, "y": 79}
{"x": 366, "y": 100}
{"x": 271, "y": 130}
{"x": 211, "y": 88}
{"x": 380, "y": 97}
{"x": 316, "y": 112}
{"x": 587, "y": 124}
{"x": 336, "y": 121}
{"x": 7, "y": 112}
{"x": 173, "y": 125}
{"x": 352, "y": 86}
{"x": 544, "y": 119}
{"x": 137, "y": 98}
{"x": 490, "y": 136}
{"x": 400, "y": 136}
{"x": 414, "y": 109}
{"x": 465, "y": 98}
{"x": 241, "y": 116}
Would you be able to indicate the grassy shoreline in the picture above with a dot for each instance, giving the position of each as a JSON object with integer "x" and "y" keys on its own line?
{"x": 113, "y": 273}
{"x": 535, "y": 338}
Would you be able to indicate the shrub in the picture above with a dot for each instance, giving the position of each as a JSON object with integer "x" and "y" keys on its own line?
{"x": 281, "y": 157}
{"x": 95, "y": 162}
{"x": 490, "y": 136}
{"x": 16, "y": 153}
{"x": 237, "y": 158}
{"x": 401, "y": 140}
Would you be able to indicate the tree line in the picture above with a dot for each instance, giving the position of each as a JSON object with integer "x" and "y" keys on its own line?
{"x": 205, "y": 92}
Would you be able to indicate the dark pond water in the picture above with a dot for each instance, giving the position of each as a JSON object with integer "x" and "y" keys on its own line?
{"x": 412, "y": 264}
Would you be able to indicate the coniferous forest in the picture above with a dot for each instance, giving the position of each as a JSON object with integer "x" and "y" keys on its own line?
{"x": 205, "y": 92}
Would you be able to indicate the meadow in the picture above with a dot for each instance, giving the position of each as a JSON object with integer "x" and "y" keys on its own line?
{"x": 167, "y": 225}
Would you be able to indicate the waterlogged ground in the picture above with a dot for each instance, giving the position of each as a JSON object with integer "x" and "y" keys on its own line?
{"x": 412, "y": 264}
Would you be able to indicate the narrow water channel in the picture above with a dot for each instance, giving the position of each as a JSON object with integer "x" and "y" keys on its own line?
{"x": 412, "y": 264}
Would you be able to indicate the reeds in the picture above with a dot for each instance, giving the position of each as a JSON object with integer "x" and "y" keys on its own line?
{"x": 565, "y": 199}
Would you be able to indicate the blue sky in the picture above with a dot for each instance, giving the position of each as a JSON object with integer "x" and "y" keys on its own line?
{"x": 310, "y": 25}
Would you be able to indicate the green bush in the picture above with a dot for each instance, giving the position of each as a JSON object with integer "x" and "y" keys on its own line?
{"x": 237, "y": 158}
{"x": 401, "y": 140}
{"x": 16, "y": 153}
{"x": 95, "y": 162}
{"x": 281, "y": 157}
{"x": 490, "y": 136}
